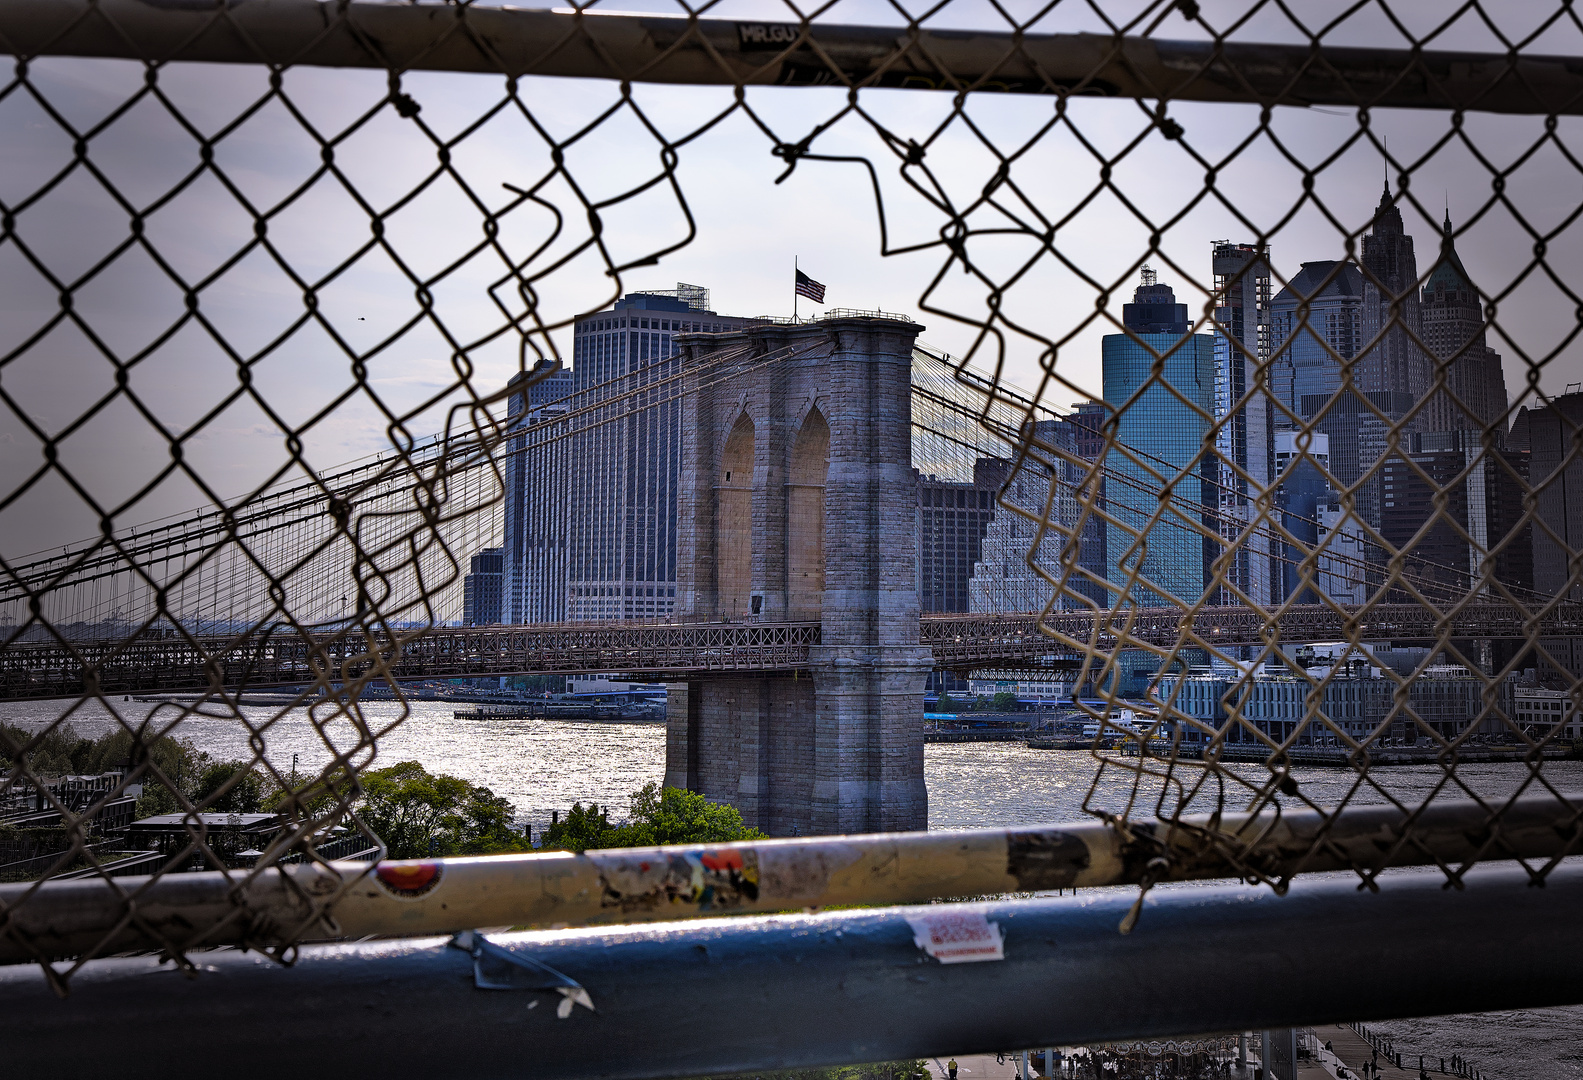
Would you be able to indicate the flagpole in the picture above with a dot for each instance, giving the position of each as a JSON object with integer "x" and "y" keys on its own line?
{"x": 795, "y": 272}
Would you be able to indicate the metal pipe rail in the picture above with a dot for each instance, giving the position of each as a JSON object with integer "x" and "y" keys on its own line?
{"x": 282, "y": 905}
{"x": 661, "y": 49}
{"x": 798, "y": 991}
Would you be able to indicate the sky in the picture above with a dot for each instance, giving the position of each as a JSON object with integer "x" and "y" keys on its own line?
{"x": 368, "y": 363}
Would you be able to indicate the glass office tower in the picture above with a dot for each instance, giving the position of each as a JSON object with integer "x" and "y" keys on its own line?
{"x": 1160, "y": 478}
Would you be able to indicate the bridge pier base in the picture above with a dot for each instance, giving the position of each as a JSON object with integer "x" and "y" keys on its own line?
{"x": 836, "y": 749}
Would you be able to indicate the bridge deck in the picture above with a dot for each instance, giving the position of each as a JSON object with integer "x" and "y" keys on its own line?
{"x": 283, "y": 656}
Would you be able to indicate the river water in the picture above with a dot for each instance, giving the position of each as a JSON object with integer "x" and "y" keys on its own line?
{"x": 545, "y": 765}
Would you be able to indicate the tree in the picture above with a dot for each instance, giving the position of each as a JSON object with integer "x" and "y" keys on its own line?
{"x": 419, "y": 814}
{"x": 60, "y": 751}
{"x": 1005, "y": 701}
{"x": 658, "y": 816}
{"x": 235, "y": 786}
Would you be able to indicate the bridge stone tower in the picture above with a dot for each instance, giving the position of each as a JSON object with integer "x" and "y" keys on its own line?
{"x": 796, "y": 503}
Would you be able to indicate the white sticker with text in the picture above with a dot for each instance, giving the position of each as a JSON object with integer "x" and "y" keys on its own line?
{"x": 957, "y": 937}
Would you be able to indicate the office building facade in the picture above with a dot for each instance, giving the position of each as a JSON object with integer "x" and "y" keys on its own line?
{"x": 1168, "y": 451}
{"x": 1316, "y": 328}
{"x": 1553, "y": 435}
{"x": 590, "y": 509}
{"x": 1473, "y": 394}
{"x": 533, "y": 565}
{"x": 952, "y": 519}
{"x": 1070, "y": 551}
{"x": 481, "y": 589}
{"x": 1242, "y": 408}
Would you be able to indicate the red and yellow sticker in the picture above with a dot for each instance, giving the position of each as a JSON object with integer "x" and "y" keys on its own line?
{"x": 409, "y": 880}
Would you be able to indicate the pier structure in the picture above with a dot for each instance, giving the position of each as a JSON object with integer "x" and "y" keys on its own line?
{"x": 797, "y": 503}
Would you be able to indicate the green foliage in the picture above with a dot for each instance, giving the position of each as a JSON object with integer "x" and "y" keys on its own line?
{"x": 234, "y": 787}
{"x": 1005, "y": 701}
{"x": 63, "y": 752}
{"x": 658, "y": 816}
{"x": 419, "y": 814}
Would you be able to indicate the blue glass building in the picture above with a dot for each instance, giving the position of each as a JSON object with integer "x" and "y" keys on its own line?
{"x": 1170, "y": 455}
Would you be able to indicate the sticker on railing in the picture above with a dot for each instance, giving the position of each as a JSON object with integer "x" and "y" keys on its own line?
{"x": 958, "y": 937}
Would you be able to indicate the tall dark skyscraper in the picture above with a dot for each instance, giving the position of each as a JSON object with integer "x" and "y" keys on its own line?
{"x": 1554, "y": 436}
{"x": 1394, "y": 372}
{"x": 1395, "y": 364}
{"x": 1242, "y": 406}
{"x": 1316, "y": 326}
{"x": 1474, "y": 395}
{"x": 481, "y": 590}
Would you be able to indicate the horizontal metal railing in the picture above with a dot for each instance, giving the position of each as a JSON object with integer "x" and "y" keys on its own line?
{"x": 281, "y": 905}
{"x": 806, "y": 990}
{"x": 662, "y": 48}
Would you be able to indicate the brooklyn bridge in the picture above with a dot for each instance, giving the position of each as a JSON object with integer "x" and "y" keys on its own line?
{"x": 797, "y": 648}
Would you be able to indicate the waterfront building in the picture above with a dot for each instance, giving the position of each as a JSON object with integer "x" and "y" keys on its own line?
{"x": 1242, "y": 408}
{"x": 481, "y": 589}
{"x": 1042, "y": 686}
{"x": 1162, "y": 452}
{"x": 1276, "y": 703}
{"x": 1541, "y": 713}
{"x": 1333, "y": 691}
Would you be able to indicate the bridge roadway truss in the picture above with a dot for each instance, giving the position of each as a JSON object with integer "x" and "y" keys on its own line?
{"x": 684, "y": 651}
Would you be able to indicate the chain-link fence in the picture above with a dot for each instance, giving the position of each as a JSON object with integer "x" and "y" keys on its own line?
{"x": 297, "y": 250}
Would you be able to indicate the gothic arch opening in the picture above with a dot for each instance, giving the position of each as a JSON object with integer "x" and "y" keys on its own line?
{"x": 734, "y": 521}
{"x": 810, "y": 465}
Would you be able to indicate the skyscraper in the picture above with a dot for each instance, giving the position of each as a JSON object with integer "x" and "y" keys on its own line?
{"x": 533, "y": 564}
{"x": 590, "y": 508}
{"x": 1473, "y": 397}
{"x": 1394, "y": 364}
{"x": 952, "y": 517}
{"x": 1393, "y": 373}
{"x": 1163, "y": 452}
{"x": 481, "y": 590}
{"x": 1242, "y": 406}
{"x": 1315, "y": 328}
{"x": 1003, "y": 580}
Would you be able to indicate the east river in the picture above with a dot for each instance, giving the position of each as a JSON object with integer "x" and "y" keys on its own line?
{"x": 545, "y": 765}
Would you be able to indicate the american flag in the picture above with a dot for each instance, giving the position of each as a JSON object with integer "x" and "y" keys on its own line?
{"x": 807, "y": 286}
